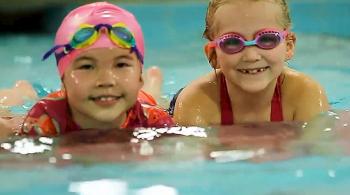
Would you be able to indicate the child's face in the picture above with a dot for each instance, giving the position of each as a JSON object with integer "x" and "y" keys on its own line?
{"x": 101, "y": 85}
{"x": 246, "y": 18}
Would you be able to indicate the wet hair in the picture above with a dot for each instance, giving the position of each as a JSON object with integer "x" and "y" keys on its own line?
{"x": 208, "y": 33}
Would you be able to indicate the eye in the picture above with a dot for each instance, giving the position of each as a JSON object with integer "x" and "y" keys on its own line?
{"x": 231, "y": 42}
{"x": 85, "y": 67}
{"x": 122, "y": 65}
{"x": 268, "y": 40}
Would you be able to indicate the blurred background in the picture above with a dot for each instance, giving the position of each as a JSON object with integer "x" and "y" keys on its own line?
{"x": 43, "y": 16}
{"x": 173, "y": 35}
{"x": 38, "y": 16}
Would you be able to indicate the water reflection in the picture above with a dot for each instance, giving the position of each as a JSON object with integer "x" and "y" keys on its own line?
{"x": 328, "y": 134}
{"x": 236, "y": 155}
{"x": 167, "y": 161}
{"x": 103, "y": 186}
{"x": 26, "y": 146}
{"x": 116, "y": 187}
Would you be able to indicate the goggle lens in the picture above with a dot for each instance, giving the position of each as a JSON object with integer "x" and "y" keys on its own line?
{"x": 82, "y": 36}
{"x": 233, "y": 43}
{"x": 268, "y": 41}
{"x": 123, "y": 34}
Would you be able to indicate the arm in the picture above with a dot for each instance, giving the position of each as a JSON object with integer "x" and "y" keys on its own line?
{"x": 10, "y": 126}
{"x": 14, "y": 96}
{"x": 195, "y": 106}
{"x": 187, "y": 112}
{"x": 311, "y": 101}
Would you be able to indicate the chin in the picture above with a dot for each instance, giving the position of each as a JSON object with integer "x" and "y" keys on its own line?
{"x": 255, "y": 87}
{"x": 107, "y": 117}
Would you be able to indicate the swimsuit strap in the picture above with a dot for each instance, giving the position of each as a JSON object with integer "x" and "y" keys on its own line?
{"x": 225, "y": 103}
{"x": 227, "y": 117}
{"x": 276, "y": 102}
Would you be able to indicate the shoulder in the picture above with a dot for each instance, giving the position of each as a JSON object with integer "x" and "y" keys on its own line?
{"x": 304, "y": 94}
{"x": 298, "y": 85}
{"x": 52, "y": 103}
{"x": 197, "y": 101}
{"x": 199, "y": 89}
{"x": 46, "y": 116}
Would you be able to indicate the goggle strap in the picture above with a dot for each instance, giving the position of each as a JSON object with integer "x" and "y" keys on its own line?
{"x": 250, "y": 43}
{"x": 138, "y": 54}
{"x": 212, "y": 44}
{"x": 59, "y": 56}
{"x": 66, "y": 48}
{"x": 69, "y": 48}
{"x": 51, "y": 51}
{"x": 97, "y": 27}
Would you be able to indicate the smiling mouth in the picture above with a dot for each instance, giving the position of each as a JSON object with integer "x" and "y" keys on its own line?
{"x": 253, "y": 70}
{"x": 105, "y": 98}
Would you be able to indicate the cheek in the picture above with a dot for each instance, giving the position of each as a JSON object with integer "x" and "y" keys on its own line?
{"x": 130, "y": 77}
{"x": 134, "y": 83}
{"x": 277, "y": 59}
{"x": 275, "y": 56}
{"x": 281, "y": 53}
{"x": 75, "y": 86}
{"x": 75, "y": 79}
{"x": 226, "y": 60}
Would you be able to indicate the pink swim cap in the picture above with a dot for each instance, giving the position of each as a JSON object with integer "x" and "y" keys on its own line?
{"x": 93, "y": 14}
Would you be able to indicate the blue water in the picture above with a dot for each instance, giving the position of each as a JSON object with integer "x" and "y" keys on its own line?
{"x": 173, "y": 42}
{"x": 194, "y": 177}
{"x": 180, "y": 164}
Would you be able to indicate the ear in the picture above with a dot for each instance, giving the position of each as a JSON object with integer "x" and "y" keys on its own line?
{"x": 211, "y": 55}
{"x": 291, "y": 40}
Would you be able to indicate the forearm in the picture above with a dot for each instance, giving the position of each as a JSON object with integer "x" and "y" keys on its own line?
{"x": 10, "y": 126}
{"x": 309, "y": 110}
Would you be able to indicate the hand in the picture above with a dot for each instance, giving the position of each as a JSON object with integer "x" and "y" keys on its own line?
{"x": 327, "y": 134}
{"x": 17, "y": 95}
{"x": 255, "y": 142}
{"x": 10, "y": 126}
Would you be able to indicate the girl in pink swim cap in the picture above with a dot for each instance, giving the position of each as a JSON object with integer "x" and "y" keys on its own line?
{"x": 99, "y": 49}
{"x": 81, "y": 30}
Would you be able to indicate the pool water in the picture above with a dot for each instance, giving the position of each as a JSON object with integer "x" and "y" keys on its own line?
{"x": 219, "y": 160}
{"x": 191, "y": 164}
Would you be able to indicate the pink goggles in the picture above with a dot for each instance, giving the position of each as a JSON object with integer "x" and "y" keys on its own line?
{"x": 232, "y": 43}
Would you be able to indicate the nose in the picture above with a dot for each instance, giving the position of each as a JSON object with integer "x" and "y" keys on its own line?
{"x": 251, "y": 54}
{"x": 106, "y": 78}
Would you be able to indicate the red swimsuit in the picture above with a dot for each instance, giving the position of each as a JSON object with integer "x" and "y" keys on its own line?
{"x": 226, "y": 108}
{"x": 51, "y": 116}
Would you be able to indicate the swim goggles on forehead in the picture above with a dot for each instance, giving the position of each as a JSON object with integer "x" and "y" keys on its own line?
{"x": 232, "y": 43}
{"x": 89, "y": 34}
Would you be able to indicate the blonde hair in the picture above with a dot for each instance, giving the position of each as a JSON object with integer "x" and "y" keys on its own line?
{"x": 215, "y": 4}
